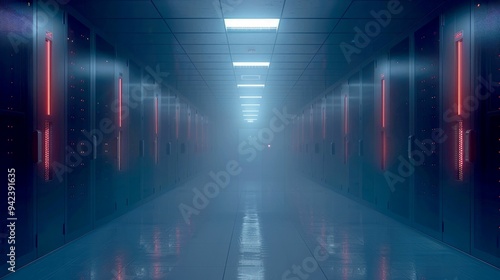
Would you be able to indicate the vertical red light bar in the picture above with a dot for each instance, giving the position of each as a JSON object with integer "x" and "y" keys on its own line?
{"x": 120, "y": 94}
{"x": 324, "y": 118}
{"x": 48, "y": 49}
{"x": 384, "y": 147}
{"x": 346, "y": 128}
{"x": 460, "y": 134}
{"x": 156, "y": 115}
{"x": 156, "y": 110}
{"x": 177, "y": 117}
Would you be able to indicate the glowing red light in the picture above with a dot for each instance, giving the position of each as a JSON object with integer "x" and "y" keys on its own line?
{"x": 383, "y": 103}
{"x": 345, "y": 115}
{"x": 120, "y": 102}
{"x": 48, "y": 48}
{"x": 459, "y": 76}
{"x": 156, "y": 115}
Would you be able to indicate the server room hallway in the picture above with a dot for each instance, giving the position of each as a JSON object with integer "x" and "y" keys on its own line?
{"x": 255, "y": 228}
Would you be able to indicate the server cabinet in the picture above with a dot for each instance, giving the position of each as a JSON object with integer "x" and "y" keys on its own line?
{"x": 456, "y": 171}
{"x": 396, "y": 121}
{"x": 367, "y": 147}
{"x": 16, "y": 107}
{"x": 51, "y": 40}
{"x": 329, "y": 148}
{"x": 120, "y": 108}
{"x": 317, "y": 143}
{"x": 170, "y": 140}
{"x": 339, "y": 168}
{"x": 150, "y": 135}
{"x": 183, "y": 144}
{"x": 79, "y": 142}
{"x": 485, "y": 150}
{"x": 106, "y": 140}
{"x": 136, "y": 151}
{"x": 423, "y": 144}
{"x": 354, "y": 142}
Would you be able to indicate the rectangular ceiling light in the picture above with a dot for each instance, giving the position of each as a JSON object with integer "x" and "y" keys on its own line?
{"x": 250, "y": 120}
{"x": 250, "y": 111}
{"x": 250, "y": 115}
{"x": 250, "y": 77}
{"x": 250, "y": 105}
{"x": 251, "y": 85}
{"x": 251, "y": 64}
{"x": 252, "y": 23}
{"x": 251, "y": 96}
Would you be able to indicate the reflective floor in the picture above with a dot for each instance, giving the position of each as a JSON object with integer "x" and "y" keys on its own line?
{"x": 256, "y": 229}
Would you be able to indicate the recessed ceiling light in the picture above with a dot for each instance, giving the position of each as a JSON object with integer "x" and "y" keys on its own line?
{"x": 251, "y": 64}
{"x": 250, "y": 115}
{"x": 250, "y": 105}
{"x": 251, "y": 96}
{"x": 250, "y": 111}
{"x": 250, "y": 77}
{"x": 252, "y": 23}
{"x": 251, "y": 85}
{"x": 250, "y": 120}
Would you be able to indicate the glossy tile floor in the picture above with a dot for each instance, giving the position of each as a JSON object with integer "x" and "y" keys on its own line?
{"x": 256, "y": 229}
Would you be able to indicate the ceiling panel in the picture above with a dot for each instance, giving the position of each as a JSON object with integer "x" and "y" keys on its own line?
{"x": 315, "y": 9}
{"x": 133, "y": 25}
{"x": 196, "y": 25}
{"x": 157, "y": 49}
{"x": 145, "y": 38}
{"x": 292, "y": 58}
{"x": 248, "y": 38}
{"x": 301, "y": 38}
{"x": 214, "y": 65}
{"x": 200, "y": 49}
{"x": 297, "y": 49}
{"x": 251, "y": 9}
{"x": 201, "y": 38}
{"x": 188, "y": 9}
{"x": 210, "y": 57}
{"x": 307, "y": 25}
{"x": 288, "y": 65}
{"x": 251, "y": 49}
{"x": 369, "y": 26}
{"x": 251, "y": 57}
{"x": 116, "y": 9}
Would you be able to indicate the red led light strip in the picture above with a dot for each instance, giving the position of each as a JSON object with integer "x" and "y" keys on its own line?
{"x": 460, "y": 134}
{"x": 324, "y": 120}
{"x": 345, "y": 115}
{"x": 383, "y": 124}
{"x": 177, "y": 116}
{"x": 156, "y": 115}
{"x": 48, "y": 48}
{"x": 46, "y": 154}
{"x": 346, "y": 130}
{"x": 120, "y": 93}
